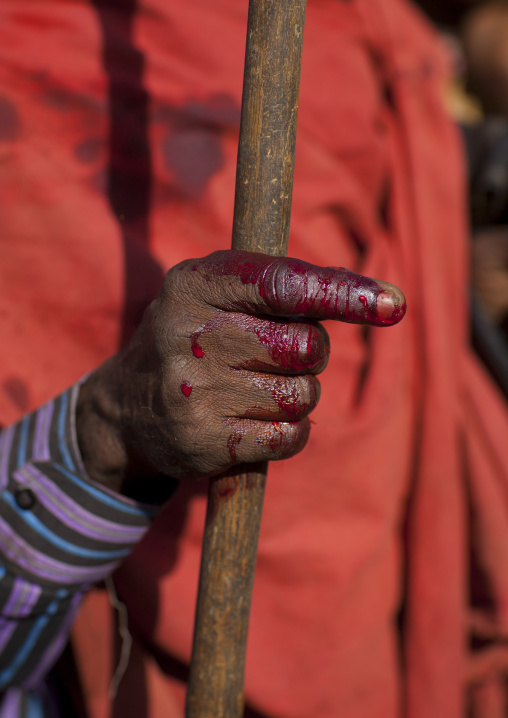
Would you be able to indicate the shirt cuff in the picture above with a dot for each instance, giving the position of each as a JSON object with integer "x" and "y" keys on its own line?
{"x": 58, "y": 525}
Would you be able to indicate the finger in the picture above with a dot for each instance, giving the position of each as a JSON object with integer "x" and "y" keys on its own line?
{"x": 248, "y": 441}
{"x": 271, "y": 397}
{"x": 264, "y": 344}
{"x": 260, "y": 284}
{"x": 296, "y": 347}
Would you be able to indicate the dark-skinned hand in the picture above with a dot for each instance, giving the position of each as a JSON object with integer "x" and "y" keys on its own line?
{"x": 223, "y": 369}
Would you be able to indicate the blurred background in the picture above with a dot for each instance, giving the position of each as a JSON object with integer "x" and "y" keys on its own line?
{"x": 476, "y": 36}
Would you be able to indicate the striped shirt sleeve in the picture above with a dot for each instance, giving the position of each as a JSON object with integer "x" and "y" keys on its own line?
{"x": 59, "y": 533}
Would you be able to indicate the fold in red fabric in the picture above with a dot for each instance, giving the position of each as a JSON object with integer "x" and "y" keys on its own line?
{"x": 382, "y": 581}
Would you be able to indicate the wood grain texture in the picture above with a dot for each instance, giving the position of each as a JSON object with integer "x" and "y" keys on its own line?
{"x": 266, "y": 151}
{"x": 264, "y": 185}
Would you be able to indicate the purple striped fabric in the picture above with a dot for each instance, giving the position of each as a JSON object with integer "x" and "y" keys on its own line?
{"x": 73, "y": 438}
{"x": 37, "y": 612}
{"x": 71, "y": 513}
{"x": 42, "y": 428}
{"x": 22, "y": 600}
{"x": 38, "y": 565}
{"x": 10, "y": 706}
{"x": 23, "y": 597}
{"x": 54, "y": 649}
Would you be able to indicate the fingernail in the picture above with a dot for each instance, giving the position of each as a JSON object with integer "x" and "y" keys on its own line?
{"x": 390, "y": 306}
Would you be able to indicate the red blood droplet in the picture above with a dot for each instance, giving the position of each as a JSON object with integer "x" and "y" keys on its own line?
{"x": 197, "y": 351}
{"x": 186, "y": 388}
{"x": 363, "y": 299}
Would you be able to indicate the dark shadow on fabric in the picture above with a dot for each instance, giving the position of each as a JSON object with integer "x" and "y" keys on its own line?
{"x": 384, "y": 205}
{"x": 10, "y": 123}
{"x": 174, "y": 517}
{"x": 366, "y": 336}
{"x": 179, "y": 671}
{"x": 17, "y": 391}
{"x": 192, "y": 144}
{"x": 65, "y": 685}
{"x": 192, "y": 153}
{"x": 129, "y": 175}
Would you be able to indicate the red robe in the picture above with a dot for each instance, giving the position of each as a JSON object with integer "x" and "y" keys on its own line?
{"x": 384, "y": 545}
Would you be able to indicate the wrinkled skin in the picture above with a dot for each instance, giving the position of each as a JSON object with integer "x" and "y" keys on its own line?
{"x": 223, "y": 368}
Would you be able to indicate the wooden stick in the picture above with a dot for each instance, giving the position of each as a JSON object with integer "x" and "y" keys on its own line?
{"x": 264, "y": 184}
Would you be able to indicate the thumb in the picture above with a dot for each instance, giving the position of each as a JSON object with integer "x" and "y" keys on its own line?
{"x": 260, "y": 284}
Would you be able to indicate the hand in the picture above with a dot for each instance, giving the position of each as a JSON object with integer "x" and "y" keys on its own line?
{"x": 223, "y": 367}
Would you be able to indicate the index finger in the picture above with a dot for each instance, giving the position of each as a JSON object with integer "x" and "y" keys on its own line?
{"x": 283, "y": 286}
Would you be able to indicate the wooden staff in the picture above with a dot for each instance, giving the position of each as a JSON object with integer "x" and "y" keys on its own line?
{"x": 264, "y": 184}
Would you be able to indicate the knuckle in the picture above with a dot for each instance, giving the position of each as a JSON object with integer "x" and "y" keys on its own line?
{"x": 309, "y": 346}
{"x": 181, "y": 283}
{"x": 296, "y": 347}
{"x": 285, "y": 439}
{"x": 170, "y": 278}
{"x": 296, "y": 396}
{"x": 283, "y": 285}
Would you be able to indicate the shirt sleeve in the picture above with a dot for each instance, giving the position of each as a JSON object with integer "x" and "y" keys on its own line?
{"x": 60, "y": 532}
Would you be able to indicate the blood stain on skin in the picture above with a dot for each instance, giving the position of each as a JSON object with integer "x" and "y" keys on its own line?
{"x": 235, "y": 437}
{"x": 290, "y": 402}
{"x": 196, "y": 349}
{"x": 186, "y": 388}
{"x": 233, "y": 441}
{"x": 296, "y": 346}
{"x": 294, "y": 288}
{"x": 287, "y": 396}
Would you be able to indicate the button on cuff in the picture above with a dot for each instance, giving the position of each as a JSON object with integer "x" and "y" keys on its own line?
{"x": 25, "y": 498}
